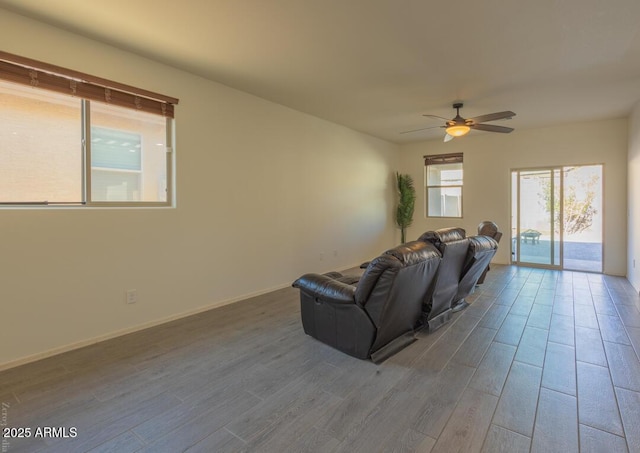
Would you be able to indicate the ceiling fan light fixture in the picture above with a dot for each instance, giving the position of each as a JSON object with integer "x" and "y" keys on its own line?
{"x": 458, "y": 130}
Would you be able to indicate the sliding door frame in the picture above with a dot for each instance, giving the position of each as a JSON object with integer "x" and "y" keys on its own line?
{"x": 516, "y": 258}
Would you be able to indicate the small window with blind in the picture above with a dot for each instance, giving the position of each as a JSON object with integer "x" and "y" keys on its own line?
{"x": 443, "y": 177}
{"x": 67, "y": 138}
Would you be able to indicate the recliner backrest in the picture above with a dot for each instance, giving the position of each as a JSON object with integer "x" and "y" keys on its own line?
{"x": 375, "y": 270}
{"x": 443, "y": 235}
{"x": 394, "y": 286}
{"x": 480, "y": 252}
{"x": 453, "y": 245}
{"x": 488, "y": 228}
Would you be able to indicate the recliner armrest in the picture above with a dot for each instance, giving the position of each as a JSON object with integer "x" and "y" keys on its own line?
{"x": 326, "y": 288}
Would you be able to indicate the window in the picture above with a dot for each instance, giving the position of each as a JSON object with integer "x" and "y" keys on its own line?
{"x": 129, "y": 159}
{"x": 444, "y": 177}
{"x": 116, "y": 165}
{"x": 67, "y": 138}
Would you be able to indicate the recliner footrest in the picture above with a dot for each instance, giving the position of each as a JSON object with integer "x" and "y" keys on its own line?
{"x": 393, "y": 347}
{"x": 440, "y": 320}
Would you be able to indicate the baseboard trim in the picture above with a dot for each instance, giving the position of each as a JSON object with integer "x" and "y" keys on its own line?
{"x": 136, "y": 328}
{"x": 118, "y": 333}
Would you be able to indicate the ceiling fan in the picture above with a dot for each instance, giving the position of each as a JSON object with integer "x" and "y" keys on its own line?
{"x": 459, "y": 126}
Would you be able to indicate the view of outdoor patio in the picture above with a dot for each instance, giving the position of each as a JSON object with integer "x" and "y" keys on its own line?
{"x": 542, "y": 209}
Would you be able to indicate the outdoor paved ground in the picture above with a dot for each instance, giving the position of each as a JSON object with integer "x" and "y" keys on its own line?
{"x": 582, "y": 256}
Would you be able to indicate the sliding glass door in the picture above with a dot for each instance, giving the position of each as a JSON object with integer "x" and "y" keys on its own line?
{"x": 582, "y": 202}
{"x": 536, "y": 234}
{"x": 557, "y": 217}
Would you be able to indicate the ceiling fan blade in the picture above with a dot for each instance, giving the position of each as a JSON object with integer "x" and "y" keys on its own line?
{"x": 436, "y": 116}
{"x": 492, "y": 117}
{"x": 421, "y": 129}
{"x": 448, "y": 138}
{"x": 491, "y": 128}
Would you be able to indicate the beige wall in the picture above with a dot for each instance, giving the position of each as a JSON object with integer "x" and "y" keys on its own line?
{"x": 263, "y": 191}
{"x": 489, "y": 158}
{"x": 633, "y": 271}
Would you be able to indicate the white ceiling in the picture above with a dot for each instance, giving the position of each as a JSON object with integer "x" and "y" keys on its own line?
{"x": 377, "y": 65}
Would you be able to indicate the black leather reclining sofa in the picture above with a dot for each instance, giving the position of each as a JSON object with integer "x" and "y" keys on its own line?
{"x": 413, "y": 285}
{"x": 375, "y": 316}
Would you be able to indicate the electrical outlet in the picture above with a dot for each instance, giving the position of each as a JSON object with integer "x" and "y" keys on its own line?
{"x": 335, "y": 253}
{"x": 132, "y": 296}
{"x": 321, "y": 256}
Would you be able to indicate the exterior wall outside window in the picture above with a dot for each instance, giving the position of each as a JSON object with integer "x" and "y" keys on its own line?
{"x": 41, "y": 158}
{"x": 40, "y": 146}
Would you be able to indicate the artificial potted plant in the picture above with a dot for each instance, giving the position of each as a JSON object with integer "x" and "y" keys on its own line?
{"x": 406, "y": 203}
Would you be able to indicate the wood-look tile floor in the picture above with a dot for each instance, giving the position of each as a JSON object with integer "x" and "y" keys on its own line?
{"x": 542, "y": 361}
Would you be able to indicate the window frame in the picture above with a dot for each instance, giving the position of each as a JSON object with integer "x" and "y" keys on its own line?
{"x": 86, "y": 151}
{"x": 443, "y": 159}
{"x": 87, "y": 89}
